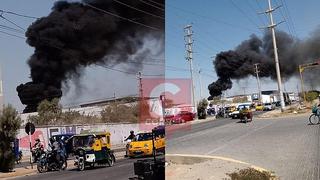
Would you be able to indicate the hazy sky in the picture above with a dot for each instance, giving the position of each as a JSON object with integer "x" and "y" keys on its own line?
{"x": 96, "y": 83}
{"x": 217, "y": 26}
{"x": 222, "y": 25}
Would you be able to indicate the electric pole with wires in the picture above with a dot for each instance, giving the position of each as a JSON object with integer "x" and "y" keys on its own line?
{"x": 256, "y": 70}
{"x": 276, "y": 58}
{"x": 189, "y": 44}
{"x": 139, "y": 76}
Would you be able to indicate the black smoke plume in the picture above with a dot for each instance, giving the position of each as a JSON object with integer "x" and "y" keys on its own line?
{"x": 78, "y": 34}
{"x": 239, "y": 63}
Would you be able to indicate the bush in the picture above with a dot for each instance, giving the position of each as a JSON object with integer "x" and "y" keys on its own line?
{"x": 117, "y": 112}
{"x": 311, "y": 95}
{"x": 9, "y": 126}
{"x": 202, "y": 107}
{"x": 251, "y": 174}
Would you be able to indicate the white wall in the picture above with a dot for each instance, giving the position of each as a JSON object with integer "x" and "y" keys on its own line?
{"x": 118, "y": 133}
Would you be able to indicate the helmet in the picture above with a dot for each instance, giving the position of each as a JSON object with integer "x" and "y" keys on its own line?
{"x": 37, "y": 140}
{"x": 131, "y": 132}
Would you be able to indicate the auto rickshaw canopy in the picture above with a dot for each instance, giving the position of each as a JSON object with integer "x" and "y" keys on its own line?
{"x": 93, "y": 140}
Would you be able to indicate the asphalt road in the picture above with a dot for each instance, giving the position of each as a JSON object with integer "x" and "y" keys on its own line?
{"x": 288, "y": 146}
{"x": 122, "y": 170}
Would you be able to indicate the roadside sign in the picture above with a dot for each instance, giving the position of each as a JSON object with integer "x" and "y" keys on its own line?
{"x": 30, "y": 128}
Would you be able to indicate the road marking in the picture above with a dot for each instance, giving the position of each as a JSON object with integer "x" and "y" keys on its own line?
{"x": 236, "y": 139}
{"x": 219, "y": 158}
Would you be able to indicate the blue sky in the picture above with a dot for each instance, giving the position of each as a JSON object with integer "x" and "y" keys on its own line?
{"x": 222, "y": 25}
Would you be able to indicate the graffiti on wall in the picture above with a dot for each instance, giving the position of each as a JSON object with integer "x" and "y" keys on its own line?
{"x": 24, "y": 140}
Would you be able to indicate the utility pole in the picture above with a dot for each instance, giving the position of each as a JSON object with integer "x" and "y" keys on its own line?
{"x": 200, "y": 82}
{"x": 276, "y": 59}
{"x": 139, "y": 76}
{"x": 1, "y": 92}
{"x": 256, "y": 70}
{"x": 188, "y": 44}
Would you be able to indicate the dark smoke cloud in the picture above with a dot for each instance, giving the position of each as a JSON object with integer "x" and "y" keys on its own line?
{"x": 74, "y": 36}
{"x": 239, "y": 63}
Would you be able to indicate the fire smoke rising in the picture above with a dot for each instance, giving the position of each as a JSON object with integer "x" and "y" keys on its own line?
{"x": 77, "y": 34}
{"x": 238, "y": 63}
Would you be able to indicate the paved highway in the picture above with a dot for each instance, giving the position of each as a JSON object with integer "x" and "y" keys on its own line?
{"x": 288, "y": 146}
{"x": 122, "y": 170}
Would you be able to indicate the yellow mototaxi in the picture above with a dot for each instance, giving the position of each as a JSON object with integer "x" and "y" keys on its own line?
{"x": 93, "y": 148}
{"x": 142, "y": 144}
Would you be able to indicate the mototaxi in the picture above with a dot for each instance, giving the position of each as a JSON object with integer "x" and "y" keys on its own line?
{"x": 92, "y": 148}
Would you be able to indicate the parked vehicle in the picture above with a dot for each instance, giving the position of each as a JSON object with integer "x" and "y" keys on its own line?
{"x": 93, "y": 148}
{"x": 16, "y": 151}
{"x": 181, "y": 117}
{"x": 268, "y": 107}
{"x": 151, "y": 169}
{"x": 48, "y": 162}
{"x": 259, "y": 107}
{"x": 142, "y": 144}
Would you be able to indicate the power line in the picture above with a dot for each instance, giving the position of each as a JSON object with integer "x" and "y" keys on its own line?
{"x": 9, "y": 34}
{"x": 261, "y": 9}
{"x": 17, "y": 14}
{"x": 120, "y": 17}
{"x": 152, "y": 5}
{"x": 242, "y": 12}
{"x": 160, "y": 17}
{"x": 11, "y": 22}
{"x": 11, "y": 29}
{"x": 127, "y": 72}
{"x": 157, "y": 3}
{"x": 286, "y": 10}
{"x": 254, "y": 10}
{"x": 210, "y": 18}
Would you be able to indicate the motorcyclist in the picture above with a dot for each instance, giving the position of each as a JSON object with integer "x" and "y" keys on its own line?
{"x": 57, "y": 149}
{"x": 37, "y": 150}
{"x": 131, "y": 136}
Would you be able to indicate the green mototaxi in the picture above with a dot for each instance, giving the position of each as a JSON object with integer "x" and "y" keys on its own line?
{"x": 93, "y": 148}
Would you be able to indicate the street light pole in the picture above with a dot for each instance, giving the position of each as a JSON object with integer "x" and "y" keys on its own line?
{"x": 302, "y": 86}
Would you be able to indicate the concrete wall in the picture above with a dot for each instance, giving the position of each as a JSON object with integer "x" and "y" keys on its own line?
{"x": 118, "y": 133}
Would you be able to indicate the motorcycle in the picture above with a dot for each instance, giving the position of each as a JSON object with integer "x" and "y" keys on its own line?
{"x": 48, "y": 162}
{"x": 36, "y": 154}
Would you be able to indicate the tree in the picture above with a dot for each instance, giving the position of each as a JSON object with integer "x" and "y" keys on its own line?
{"x": 240, "y": 99}
{"x": 117, "y": 112}
{"x": 202, "y": 107}
{"x": 10, "y": 123}
{"x": 48, "y": 112}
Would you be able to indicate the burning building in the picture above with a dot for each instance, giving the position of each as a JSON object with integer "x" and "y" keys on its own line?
{"x": 79, "y": 34}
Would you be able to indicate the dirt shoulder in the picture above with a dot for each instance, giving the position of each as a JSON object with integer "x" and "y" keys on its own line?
{"x": 187, "y": 167}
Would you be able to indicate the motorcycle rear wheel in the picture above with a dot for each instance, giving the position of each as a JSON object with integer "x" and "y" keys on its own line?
{"x": 41, "y": 168}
